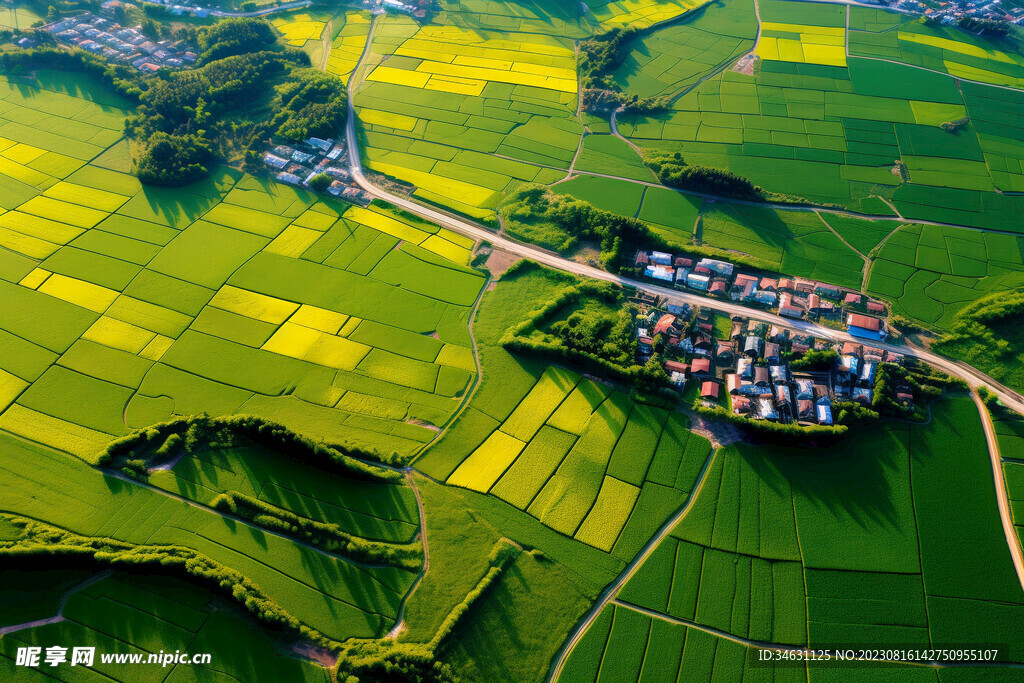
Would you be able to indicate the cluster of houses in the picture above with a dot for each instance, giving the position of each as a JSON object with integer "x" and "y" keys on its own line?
{"x": 792, "y": 297}
{"x": 116, "y": 43}
{"x": 748, "y": 371}
{"x": 414, "y": 8}
{"x": 298, "y": 164}
{"x": 950, "y": 12}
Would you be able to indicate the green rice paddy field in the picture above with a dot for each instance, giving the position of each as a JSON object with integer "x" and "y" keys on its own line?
{"x": 577, "y": 455}
{"x": 129, "y": 305}
{"x": 817, "y": 123}
{"x": 866, "y": 546}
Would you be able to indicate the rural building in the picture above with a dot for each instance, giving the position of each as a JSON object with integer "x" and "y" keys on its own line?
{"x": 700, "y": 366}
{"x": 664, "y": 323}
{"x": 661, "y": 258}
{"x": 660, "y": 272}
{"x": 823, "y": 408}
{"x": 752, "y": 346}
{"x": 722, "y": 268}
{"x": 709, "y": 389}
{"x": 787, "y": 309}
{"x": 697, "y": 281}
{"x": 864, "y": 326}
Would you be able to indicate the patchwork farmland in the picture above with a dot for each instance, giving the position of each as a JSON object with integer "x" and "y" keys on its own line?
{"x": 328, "y": 441}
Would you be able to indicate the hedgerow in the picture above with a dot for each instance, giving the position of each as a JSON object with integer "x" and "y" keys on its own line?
{"x": 200, "y": 432}
{"x": 328, "y": 537}
{"x": 45, "y": 546}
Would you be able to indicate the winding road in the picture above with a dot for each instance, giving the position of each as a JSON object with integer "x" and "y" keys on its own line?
{"x": 972, "y": 376}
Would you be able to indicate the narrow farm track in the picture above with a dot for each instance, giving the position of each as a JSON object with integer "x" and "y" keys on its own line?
{"x": 612, "y": 590}
{"x": 59, "y": 617}
{"x": 399, "y": 627}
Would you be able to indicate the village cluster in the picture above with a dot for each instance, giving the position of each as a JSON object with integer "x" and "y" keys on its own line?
{"x": 127, "y": 45}
{"x": 951, "y": 12}
{"x": 792, "y": 297}
{"x": 747, "y": 370}
{"x": 298, "y": 164}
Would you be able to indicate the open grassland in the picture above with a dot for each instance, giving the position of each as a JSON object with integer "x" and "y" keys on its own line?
{"x": 864, "y": 546}
{"x": 125, "y": 305}
{"x": 575, "y": 454}
{"x": 816, "y": 123}
{"x": 131, "y": 614}
{"x": 932, "y": 273}
{"x": 466, "y": 115}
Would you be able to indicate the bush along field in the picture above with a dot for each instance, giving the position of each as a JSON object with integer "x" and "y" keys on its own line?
{"x": 797, "y": 550}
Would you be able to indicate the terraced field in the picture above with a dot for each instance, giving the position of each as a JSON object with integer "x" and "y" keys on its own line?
{"x": 873, "y": 561}
{"x": 235, "y": 295}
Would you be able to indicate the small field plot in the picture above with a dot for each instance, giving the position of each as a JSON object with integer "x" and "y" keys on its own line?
{"x": 625, "y": 644}
{"x": 736, "y": 563}
{"x": 586, "y": 462}
{"x": 792, "y": 242}
{"x": 465, "y": 115}
{"x": 1009, "y": 428}
{"x": 964, "y": 54}
{"x": 813, "y": 123}
{"x": 675, "y": 57}
{"x": 348, "y": 42}
{"x": 931, "y": 273}
{"x": 610, "y": 155}
{"x": 617, "y": 196}
{"x": 298, "y": 28}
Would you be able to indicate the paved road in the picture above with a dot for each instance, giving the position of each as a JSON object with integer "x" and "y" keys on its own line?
{"x": 261, "y": 12}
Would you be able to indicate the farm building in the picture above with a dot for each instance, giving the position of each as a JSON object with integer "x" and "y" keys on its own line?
{"x": 697, "y": 281}
{"x": 660, "y": 272}
{"x": 723, "y": 268}
{"x": 709, "y": 389}
{"x": 864, "y": 326}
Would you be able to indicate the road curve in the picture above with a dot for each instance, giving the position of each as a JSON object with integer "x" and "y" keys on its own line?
{"x": 1001, "y": 496}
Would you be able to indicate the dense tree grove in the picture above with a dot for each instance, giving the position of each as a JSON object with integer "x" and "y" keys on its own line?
{"x": 599, "y": 57}
{"x": 561, "y": 222}
{"x": 983, "y": 333}
{"x": 608, "y": 336}
{"x": 234, "y": 37}
{"x": 674, "y": 172}
{"x": 247, "y": 91}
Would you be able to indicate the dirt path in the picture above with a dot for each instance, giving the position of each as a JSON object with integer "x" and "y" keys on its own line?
{"x": 60, "y": 606}
{"x": 609, "y": 594}
{"x": 1001, "y": 497}
{"x": 399, "y": 627}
